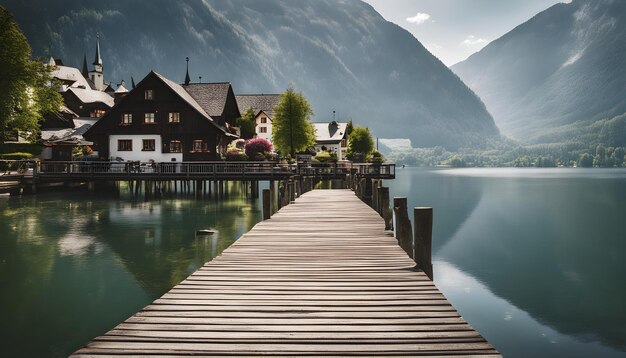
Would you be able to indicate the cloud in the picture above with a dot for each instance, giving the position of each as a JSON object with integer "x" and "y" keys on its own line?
{"x": 472, "y": 40}
{"x": 419, "y": 18}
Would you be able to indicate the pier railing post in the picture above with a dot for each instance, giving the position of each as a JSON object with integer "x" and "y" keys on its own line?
{"x": 385, "y": 211}
{"x": 423, "y": 244}
{"x": 292, "y": 191}
{"x": 267, "y": 199}
{"x": 404, "y": 232}
{"x": 375, "y": 203}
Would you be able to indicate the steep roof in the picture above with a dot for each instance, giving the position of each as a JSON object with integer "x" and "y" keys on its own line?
{"x": 187, "y": 97}
{"x": 70, "y": 74}
{"x": 87, "y": 95}
{"x": 210, "y": 96}
{"x": 258, "y": 102}
{"x": 180, "y": 91}
{"x": 329, "y": 132}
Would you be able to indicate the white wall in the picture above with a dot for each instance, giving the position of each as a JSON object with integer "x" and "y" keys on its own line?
{"x": 267, "y": 125}
{"x": 137, "y": 153}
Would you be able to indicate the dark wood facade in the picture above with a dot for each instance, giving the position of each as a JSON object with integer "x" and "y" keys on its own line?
{"x": 167, "y": 97}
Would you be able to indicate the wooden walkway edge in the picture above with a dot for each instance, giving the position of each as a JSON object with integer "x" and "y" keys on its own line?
{"x": 320, "y": 278}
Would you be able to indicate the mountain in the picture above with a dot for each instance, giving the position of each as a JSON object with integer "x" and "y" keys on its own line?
{"x": 340, "y": 53}
{"x": 562, "y": 68}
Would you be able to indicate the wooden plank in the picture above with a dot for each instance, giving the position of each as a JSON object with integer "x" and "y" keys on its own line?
{"x": 320, "y": 278}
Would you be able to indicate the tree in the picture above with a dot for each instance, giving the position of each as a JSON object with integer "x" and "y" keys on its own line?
{"x": 360, "y": 143}
{"x": 349, "y": 127}
{"x": 27, "y": 88}
{"x": 247, "y": 123}
{"x": 585, "y": 161}
{"x": 292, "y": 130}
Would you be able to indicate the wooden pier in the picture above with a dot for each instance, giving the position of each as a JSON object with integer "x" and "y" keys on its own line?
{"x": 320, "y": 278}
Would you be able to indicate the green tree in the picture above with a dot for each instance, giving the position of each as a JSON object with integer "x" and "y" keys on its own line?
{"x": 27, "y": 91}
{"x": 349, "y": 127}
{"x": 247, "y": 124}
{"x": 585, "y": 161}
{"x": 360, "y": 143}
{"x": 292, "y": 130}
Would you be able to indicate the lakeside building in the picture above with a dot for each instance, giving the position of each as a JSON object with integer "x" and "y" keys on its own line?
{"x": 331, "y": 137}
{"x": 160, "y": 120}
{"x": 263, "y": 107}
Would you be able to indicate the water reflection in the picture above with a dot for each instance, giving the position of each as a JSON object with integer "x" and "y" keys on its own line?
{"x": 550, "y": 243}
{"x": 73, "y": 265}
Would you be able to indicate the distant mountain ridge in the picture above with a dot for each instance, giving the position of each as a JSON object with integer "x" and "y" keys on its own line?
{"x": 564, "y": 66}
{"x": 342, "y": 54}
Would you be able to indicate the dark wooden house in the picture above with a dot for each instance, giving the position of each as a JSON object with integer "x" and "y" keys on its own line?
{"x": 159, "y": 120}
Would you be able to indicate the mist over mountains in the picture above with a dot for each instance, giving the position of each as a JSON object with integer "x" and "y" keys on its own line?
{"x": 557, "y": 77}
{"x": 341, "y": 54}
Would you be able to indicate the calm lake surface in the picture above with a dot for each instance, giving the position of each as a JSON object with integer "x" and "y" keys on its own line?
{"x": 73, "y": 265}
{"x": 534, "y": 259}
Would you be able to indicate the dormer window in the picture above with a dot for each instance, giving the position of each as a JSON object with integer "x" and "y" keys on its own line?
{"x": 149, "y": 94}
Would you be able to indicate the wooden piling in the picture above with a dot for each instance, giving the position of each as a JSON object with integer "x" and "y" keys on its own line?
{"x": 404, "y": 232}
{"x": 267, "y": 200}
{"x": 423, "y": 239}
{"x": 385, "y": 211}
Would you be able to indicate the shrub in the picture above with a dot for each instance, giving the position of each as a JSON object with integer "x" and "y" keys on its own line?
{"x": 376, "y": 157}
{"x": 16, "y": 156}
{"x": 323, "y": 157}
{"x": 236, "y": 155}
{"x": 257, "y": 145}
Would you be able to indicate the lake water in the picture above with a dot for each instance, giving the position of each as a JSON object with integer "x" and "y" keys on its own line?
{"x": 534, "y": 259}
{"x": 73, "y": 265}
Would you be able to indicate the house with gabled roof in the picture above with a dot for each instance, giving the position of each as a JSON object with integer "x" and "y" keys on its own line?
{"x": 163, "y": 121}
{"x": 263, "y": 107}
{"x": 331, "y": 137}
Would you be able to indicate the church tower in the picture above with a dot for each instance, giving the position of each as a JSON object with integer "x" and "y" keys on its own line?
{"x": 96, "y": 76}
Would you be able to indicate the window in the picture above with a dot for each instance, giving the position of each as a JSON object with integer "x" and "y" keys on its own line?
{"x": 97, "y": 113}
{"x": 149, "y": 94}
{"x": 199, "y": 146}
{"x": 127, "y": 118}
{"x": 148, "y": 118}
{"x": 262, "y": 129}
{"x": 176, "y": 147}
{"x": 125, "y": 145}
{"x": 263, "y": 119}
{"x": 344, "y": 143}
{"x": 174, "y": 117}
{"x": 148, "y": 145}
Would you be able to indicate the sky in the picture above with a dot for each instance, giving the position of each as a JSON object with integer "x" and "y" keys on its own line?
{"x": 452, "y": 30}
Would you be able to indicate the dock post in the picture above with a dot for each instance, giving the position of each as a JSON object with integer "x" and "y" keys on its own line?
{"x": 292, "y": 191}
{"x": 375, "y": 186}
{"x": 297, "y": 187}
{"x": 423, "y": 239}
{"x": 404, "y": 232}
{"x": 266, "y": 204}
{"x": 272, "y": 196}
{"x": 385, "y": 211}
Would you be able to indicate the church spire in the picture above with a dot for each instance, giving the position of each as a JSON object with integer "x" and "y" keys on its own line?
{"x": 98, "y": 59}
{"x": 187, "y": 78}
{"x": 85, "y": 70}
{"x": 132, "y": 81}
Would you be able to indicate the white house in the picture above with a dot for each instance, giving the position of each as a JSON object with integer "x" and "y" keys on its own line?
{"x": 263, "y": 107}
{"x": 332, "y": 137}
